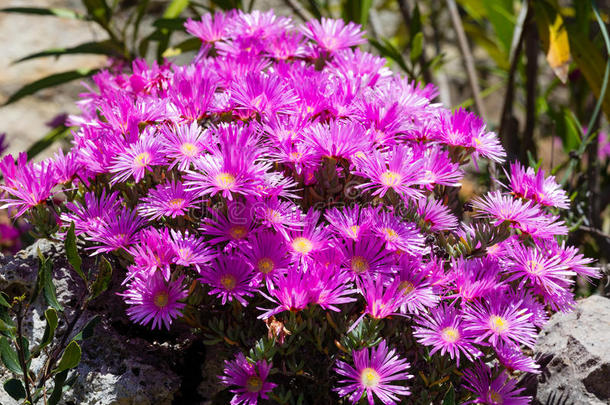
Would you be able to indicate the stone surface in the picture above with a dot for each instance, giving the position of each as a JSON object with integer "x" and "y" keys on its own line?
{"x": 116, "y": 368}
{"x": 578, "y": 347}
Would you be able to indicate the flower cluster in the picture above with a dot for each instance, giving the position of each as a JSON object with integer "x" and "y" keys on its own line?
{"x": 285, "y": 169}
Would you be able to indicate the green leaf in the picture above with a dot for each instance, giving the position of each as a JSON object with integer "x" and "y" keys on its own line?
{"x": 501, "y": 15}
{"x": 102, "y": 280}
{"x": 72, "y": 253}
{"x": 49, "y": 139}
{"x": 48, "y": 288}
{"x": 98, "y": 10}
{"x": 93, "y": 48}
{"x": 58, "y": 387}
{"x": 388, "y": 50}
{"x": 57, "y": 12}
{"x": 49, "y": 331}
{"x": 449, "y": 397}
{"x": 417, "y": 46}
{"x": 174, "y": 8}
{"x": 70, "y": 358}
{"x": 9, "y": 356}
{"x": 3, "y": 301}
{"x": 14, "y": 388}
{"x": 173, "y": 24}
{"x": 357, "y": 11}
{"x": 88, "y": 329}
{"x": 590, "y": 61}
{"x": 50, "y": 81}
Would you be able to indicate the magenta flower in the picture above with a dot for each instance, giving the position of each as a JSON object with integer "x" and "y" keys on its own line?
{"x": 513, "y": 359}
{"x": 27, "y": 184}
{"x": 466, "y": 130}
{"x": 66, "y": 167}
{"x": 399, "y": 170}
{"x": 290, "y": 291}
{"x": 192, "y": 91}
{"x": 531, "y": 184}
{"x": 91, "y": 216}
{"x": 229, "y": 277}
{"x": 336, "y": 139}
{"x": 167, "y": 200}
{"x": 190, "y": 250}
{"x": 154, "y": 299}
{"x": 234, "y": 225}
{"x": 267, "y": 254}
{"x": 330, "y": 287}
{"x": 474, "y": 278}
{"x": 263, "y": 94}
{"x": 443, "y": 329}
{"x": 500, "y": 321}
{"x": 397, "y": 234}
{"x": 313, "y": 238}
{"x": 209, "y": 29}
{"x": 118, "y": 233}
{"x": 501, "y": 390}
{"x": 533, "y": 267}
{"x": 248, "y": 379}
{"x": 383, "y": 297}
{"x": 375, "y": 372}
{"x": 416, "y": 286}
{"x": 436, "y": 215}
{"x": 350, "y": 222}
{"x": 184, "y": 144}
{"x": 332, "y": 35}
{"x": 137, "y": 159}
{"x": 281, "y": 216}
{"x": 366, "y": 257}
{"x": 229, "y": 169}
{"x": 153, "y": 251}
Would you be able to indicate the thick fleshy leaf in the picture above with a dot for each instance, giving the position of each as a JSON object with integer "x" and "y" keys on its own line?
{"x": 57, "y": 12}
{"x": 49, "y": 139}
{"x": 9, "y": 356}
{"x": 95, "y": 48}
{"x": 50, "y": 81}
{"x": 72, "y": 253}
{"x": 14, "y": 388}
{"x": 70, "y": 358}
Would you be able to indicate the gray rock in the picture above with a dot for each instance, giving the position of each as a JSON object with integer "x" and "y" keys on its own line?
{"x": 115, "y": 368}
{"x": 578, "y": 344}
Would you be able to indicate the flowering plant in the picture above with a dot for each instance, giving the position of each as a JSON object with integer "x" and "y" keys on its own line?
{"x": 289, "y": 196}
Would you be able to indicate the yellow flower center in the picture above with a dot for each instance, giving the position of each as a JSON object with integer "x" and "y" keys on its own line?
{"x": 161, "y": 299}
{"x": 273, "y": 216}
{"x": 353, "y": 231}
{"x": 176, "y": 203}
{"x": 498, "y": 324}
{"x": 390, "y": 234}
{"x": 496, "y": 398}
{"x": 185, "y": 253}
{"x": 189, "y": 149}
{"x": 390, "y": 179}
{"x": 265, "y": 265}
{"x": 238, "y": 232}
{"x": 295, "y": 156}
{"x": 225, "y": 180}
{"x": 142, "y": 160}
{"x": 369, "y": 378}
{"x": 302, "y": 245}
{"x": 228, "y": 281}
{"x": 534, "y": 267}
{"x": 406, "y": 287}
{"x": 450, "y": 335}
{"x": 254, "y": 384}
{"x": 359, "y": 265}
